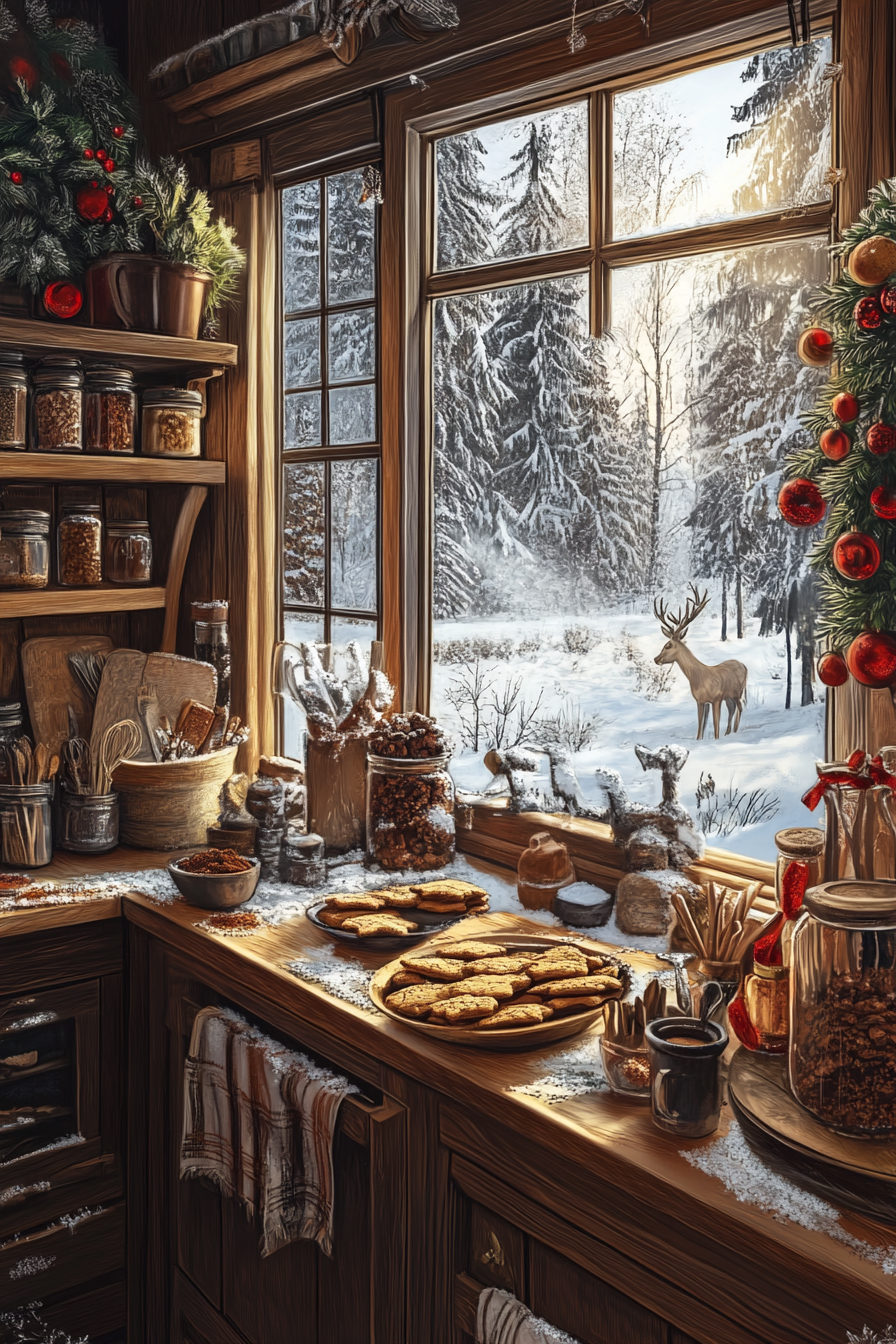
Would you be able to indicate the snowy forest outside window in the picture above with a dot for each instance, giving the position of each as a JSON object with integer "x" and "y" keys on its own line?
{"x": 579, "y": 480}
{"x": 330, "y": 428}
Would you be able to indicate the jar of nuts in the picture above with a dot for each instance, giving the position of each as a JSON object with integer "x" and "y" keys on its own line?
{"x": 110, "y": 410}
{"x": 81, "y": 546}
{"x": 24, "y": 548}
{"x": 843, "y": 1007}
{"x": 128, "y": 552}
{"x": 410, "y": 813}
{"x": 58, "y": 406}
{"x": 171, "y": 417}
{"x": 13, "y": 400}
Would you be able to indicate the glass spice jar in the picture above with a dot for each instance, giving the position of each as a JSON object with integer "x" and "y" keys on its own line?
{"x": 410, "y": 812}
{"x": 80, "y": 535}
{"x": 26, "y": 828}
{"x": 58, "y": 406}
{"x": 24, "y": 548}
{"x": 13, "y": 400}
{"x": 171, "y": 417}
{"x": 128, "y": 551}
{"x": 211, "y": 643}
{"x": 12, "y": 727}
{"x": 110, "y": 410}
{"x": 843, "y": 1007}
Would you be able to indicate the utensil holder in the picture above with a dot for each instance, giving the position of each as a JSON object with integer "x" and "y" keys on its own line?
{"x": 89, "y": 822}
{"x": 26, "y": 828}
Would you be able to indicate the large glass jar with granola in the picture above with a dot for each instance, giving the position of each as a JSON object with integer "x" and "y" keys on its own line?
{"x": 410, "y": 795}
{"x": 843, "y": 1007}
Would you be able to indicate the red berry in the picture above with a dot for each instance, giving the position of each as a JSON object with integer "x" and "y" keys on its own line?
{"x": 107, "y": 215}
{"x": 868, "y": 313}
{"x": 109, "y": 166}
{"x": 138, "y": 201}
{"x": 101, "y": 154}
{"x": 94, "y": 184}
{"x": 832, "y": 669}
{"x": 883, "y": 501}
{"x": 118, "y": 131}
{"x": 881, "y": 439}
{"x": 888, "y": 300}
{"x": 88, "y": 153}
{"x": 845, "y": 407}
{"x": 16, "y": 177}
{"x": 110, "y": 190}
{"x": 801, "y": 503}
{"x": 834, "y": 444}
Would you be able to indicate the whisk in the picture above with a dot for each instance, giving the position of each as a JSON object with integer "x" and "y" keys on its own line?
{"x": 118, "y": 742}
{"x": 87, "y": 669}
{"x": 76, "y": 761}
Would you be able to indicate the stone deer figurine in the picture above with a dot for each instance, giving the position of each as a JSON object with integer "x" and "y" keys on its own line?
{"x": 709, "y": 685}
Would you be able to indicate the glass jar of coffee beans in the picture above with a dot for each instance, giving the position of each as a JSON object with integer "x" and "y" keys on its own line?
{"x": 13, "y": 400}
{"x": 81, "y": 546}
{"x": 58, "y": 406}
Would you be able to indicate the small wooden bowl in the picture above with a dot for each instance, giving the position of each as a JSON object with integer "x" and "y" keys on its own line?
{"x": 215, "y": 891}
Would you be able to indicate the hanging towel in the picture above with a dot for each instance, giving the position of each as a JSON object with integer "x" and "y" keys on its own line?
{"x": 259, "y": 1122}
{"x": 502, "y": 1319}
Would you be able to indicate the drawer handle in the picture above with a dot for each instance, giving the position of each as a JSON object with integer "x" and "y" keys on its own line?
{"x": 495, "y": 1254}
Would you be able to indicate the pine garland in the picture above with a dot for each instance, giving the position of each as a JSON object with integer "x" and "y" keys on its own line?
{"x": 866, "y": 367}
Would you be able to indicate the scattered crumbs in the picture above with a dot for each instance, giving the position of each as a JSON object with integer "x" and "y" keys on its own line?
{"x": 19, "y": 1120}
{"x": 732, "y": 1161}
{"x": 233, "y": 923}
{"x": 343, "y": 979}
{"x": 573, "y": 1073}
{"x": 72, "y": 1220}
{"x": 66, "y": 1141}
{"x": 15, "y": 1192}
{"x": 32, "y": 1264}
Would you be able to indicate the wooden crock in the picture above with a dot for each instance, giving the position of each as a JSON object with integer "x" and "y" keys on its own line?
{"x": 543, "y": 870}
{"x": 136, "y": 291}
{"x": 171, "y": 804}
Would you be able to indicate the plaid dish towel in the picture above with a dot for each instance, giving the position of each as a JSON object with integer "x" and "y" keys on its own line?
{"x": 502, "y": 1319}
{"x": 259, "y": 1122}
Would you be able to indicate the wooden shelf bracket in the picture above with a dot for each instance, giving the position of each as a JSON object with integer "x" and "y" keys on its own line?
{"x": 180, "y": 548}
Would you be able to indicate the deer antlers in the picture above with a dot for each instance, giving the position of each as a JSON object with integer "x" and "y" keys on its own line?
{"x": 674, "y": 627}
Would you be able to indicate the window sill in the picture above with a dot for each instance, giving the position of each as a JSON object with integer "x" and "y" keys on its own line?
{"x": 499, "y": 836}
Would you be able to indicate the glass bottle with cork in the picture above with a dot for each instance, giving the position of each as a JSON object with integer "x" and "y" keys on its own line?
{"x": 211, "y": 643}
{"x": 760, "y": 1014}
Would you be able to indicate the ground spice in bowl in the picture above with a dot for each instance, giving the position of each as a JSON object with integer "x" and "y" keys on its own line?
{"x": 215, "y": 861}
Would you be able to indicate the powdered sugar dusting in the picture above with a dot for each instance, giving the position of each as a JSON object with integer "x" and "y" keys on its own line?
{"x": 343, "y": 979}
{"x": 572, "y": 1074}
{"x": 32, "y": 1264}
{"x": 732, "y": 1161}
{"x": 66, "y": 1141}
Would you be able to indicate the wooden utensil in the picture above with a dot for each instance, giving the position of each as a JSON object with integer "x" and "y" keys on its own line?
{"x": 51, "y": 685}
{"x": 117, "y": 699}
{"x": 177, "y": 680}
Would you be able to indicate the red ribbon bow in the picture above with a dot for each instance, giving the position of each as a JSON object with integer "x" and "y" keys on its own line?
{"x": 861, "y": 772}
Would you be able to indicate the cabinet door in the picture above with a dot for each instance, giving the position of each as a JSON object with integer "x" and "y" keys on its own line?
{"x": 585, "y": 1307}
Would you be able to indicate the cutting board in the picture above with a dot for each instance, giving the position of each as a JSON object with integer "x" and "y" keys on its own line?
{"x": 50, "y": 685}
{"x": 178, "y": 679}
{"x": 122, "y": 678}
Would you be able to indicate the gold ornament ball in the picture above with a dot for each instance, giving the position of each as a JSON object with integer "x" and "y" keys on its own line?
{"x": 873, "y": 261}
{"x": 815, "y": 347}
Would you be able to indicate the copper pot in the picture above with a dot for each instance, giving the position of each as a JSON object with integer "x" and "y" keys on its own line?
{"x": 137, "y": 291}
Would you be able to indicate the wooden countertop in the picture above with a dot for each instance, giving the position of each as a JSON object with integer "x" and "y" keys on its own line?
{"x": 71, "y": 868}
{"x": 819, "y": 1287}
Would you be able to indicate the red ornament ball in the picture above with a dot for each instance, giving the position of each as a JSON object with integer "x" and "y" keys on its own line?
{"x": 118, "y": 131}
{"x": 91, "y": 202}
{"x": 888, "y": 300}
{"x": 101, "y": 155}
{"x": 63, "y": 299}
{"x": 138, "y": 201}
{"x": 109, "y": 165}
{"x": 881, "y": 439}
{"x": 832, "y": 669}
{"x": 868, "y": 313}
{"x": 61, "y": 66}
{"x": 88, "y": 153}
{"x": 883, "y": 501}
{"x": 846, "y": 407}
{"x": 815, "y": 347}
{"x": 871, "y": 658}
{"x": 856, "y": 556}
{"x": 24, "y": 70}
{"x": 16, "y": 177}
{"x": 801, "y": 503}
{"x": 834, "y": 444}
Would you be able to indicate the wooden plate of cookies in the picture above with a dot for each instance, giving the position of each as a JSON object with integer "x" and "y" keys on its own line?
{"x": 393, "y": 918}
{"x": 500, "y": 991}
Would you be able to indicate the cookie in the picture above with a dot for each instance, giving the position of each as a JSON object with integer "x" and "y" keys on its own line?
{"x": 471, "y": 950}
{"x": 584, "y": 984}
{"x": 434, "y": 968}
{"x": 442, "y": 908}
{"x": 416, "y": 1000}
{"x": 334, "y": 919}
{"x": 556, "y": 970}
{"x": 398, "y": 900}
{"x": 378, "y": 926}
{"x": 449, "y": 888}
{"x": 576, "y": 1005}
{"x": 511, "y": 965}
{"x": 464, "y": 1008}
{"x": 401, "y": 980}
{"x": 519, "y": 1015}
{"x": 362, "y": 901}
{"x": 496, "y": 986}
{"x": 605, "y": 964}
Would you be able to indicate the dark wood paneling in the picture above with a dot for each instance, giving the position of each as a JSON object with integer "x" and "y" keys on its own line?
{"x": 271, "y": 1298}
{"x": 325, "y": 136}
{"x": 590, "y": 1310}
{"x": 344, "y": 1282}
{"x": 61, "y": 955}
{"x": 96, "y": 1312}
{"x": 497, "y": 1252}
{"x": 112, "y": 1064}
{"x": 195, "y": 1322}
{"x": 96, "y": 1181}
{"x": 57, "y": 1259}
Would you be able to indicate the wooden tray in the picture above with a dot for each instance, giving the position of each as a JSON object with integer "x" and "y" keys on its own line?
{"x": 515, "y": 1038}
{"x": 860, "y": 1173}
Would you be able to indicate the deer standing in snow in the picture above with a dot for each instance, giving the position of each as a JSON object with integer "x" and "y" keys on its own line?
{"x": 709, "y": 685}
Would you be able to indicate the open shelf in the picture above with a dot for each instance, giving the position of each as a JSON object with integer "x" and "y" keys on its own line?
{"x": 137, "y": 349}
{"x": 51, "y": 1066}
{"x": 55, "y": 601}
{"x": 127, "y": 469}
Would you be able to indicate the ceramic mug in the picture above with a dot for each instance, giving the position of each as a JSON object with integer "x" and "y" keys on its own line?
{"x": 685, "y": 1074}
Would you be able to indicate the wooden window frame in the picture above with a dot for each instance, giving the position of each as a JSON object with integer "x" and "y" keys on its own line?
{"x": 413, "y": 120}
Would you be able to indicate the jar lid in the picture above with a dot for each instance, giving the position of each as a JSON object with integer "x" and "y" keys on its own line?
{"x": 24, "y": 520}
{"x": 112, "y": 373}
{"x": 122, "y": 526}
{"x": 182, "y": 397}
{"x": 215, "y": 611}
{"x": 81, "y": 508}
{"x": 800, "y": 841}
{"x": 58, "y": 368}
{"x": 12, "y": 359}
{"x": 853, "y": 905}
{"x": 10, "y": 710}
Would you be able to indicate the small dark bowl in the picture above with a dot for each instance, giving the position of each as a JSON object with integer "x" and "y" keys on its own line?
{"x": 215, "y": 891}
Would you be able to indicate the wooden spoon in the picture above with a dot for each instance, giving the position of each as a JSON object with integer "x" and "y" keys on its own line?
{"x": 41, "y": 761}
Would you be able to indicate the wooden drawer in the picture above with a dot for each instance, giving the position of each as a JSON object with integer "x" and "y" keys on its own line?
{"x": 48, "y": 1262}
{"x": 96, "y": 1313}
{"x": 29, "y": 1204}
